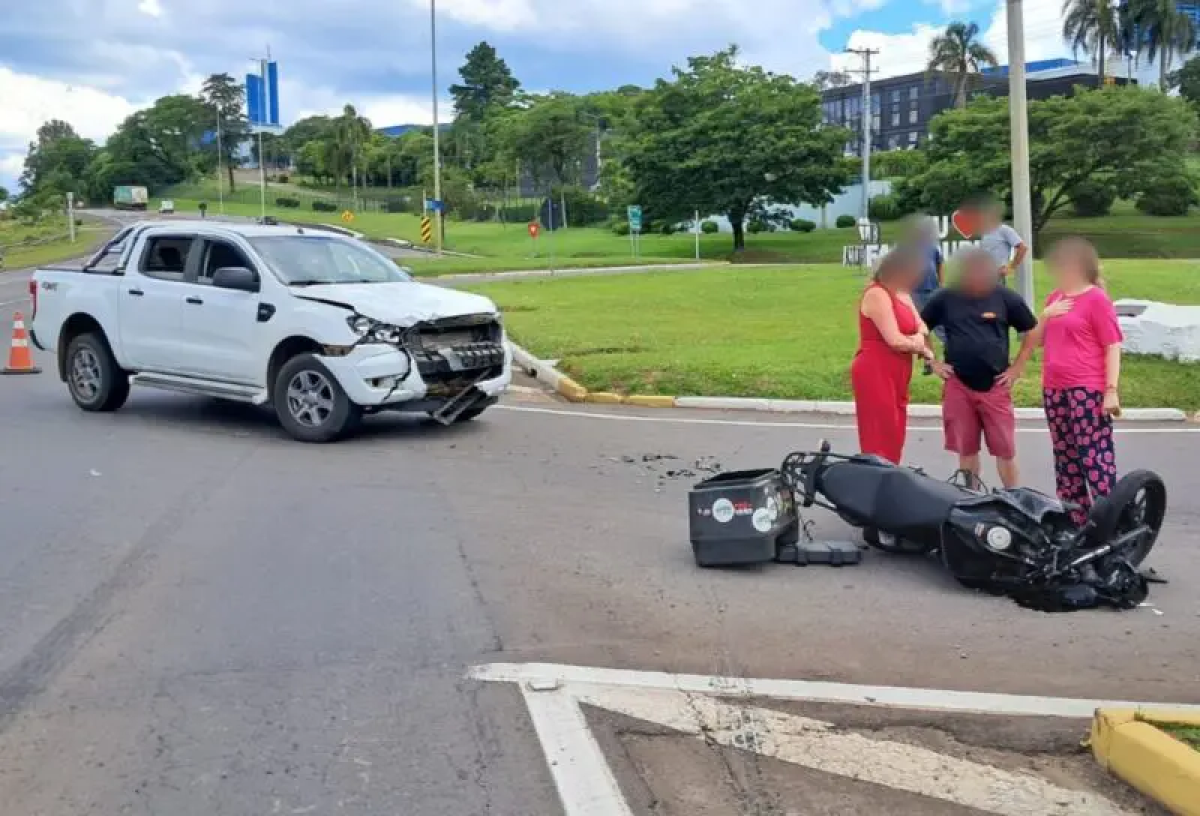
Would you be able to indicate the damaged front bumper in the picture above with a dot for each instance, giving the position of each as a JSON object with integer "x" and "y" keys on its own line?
{"x": 384, "y": 376}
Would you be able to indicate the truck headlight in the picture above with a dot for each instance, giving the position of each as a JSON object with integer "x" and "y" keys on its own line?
{"x": 372, "y": 331}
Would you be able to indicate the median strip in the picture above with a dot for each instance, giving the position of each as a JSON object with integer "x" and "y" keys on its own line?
{"x": 569, "y": 389}
{"x": 1138, "y": 747}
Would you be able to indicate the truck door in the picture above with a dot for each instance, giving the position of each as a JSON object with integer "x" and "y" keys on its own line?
{"x": 220, "y": 326}
{"x": 151, "y": 301}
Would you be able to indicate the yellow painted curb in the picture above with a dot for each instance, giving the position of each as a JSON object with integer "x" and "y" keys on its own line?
{"x": 1126, "y": 743}
{"x": 604, "y": 398}
{"x": 571, "y": 390}
{"x": 650, "y": 401}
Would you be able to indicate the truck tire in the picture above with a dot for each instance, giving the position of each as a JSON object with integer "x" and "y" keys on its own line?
{"x": 310, "y": 404}
{"x": 94, "y": 379}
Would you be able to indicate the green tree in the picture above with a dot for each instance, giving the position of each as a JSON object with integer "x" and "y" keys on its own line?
{"x": 722, "y": 138}
{"x": 549, "y": 137}
{"x": 352, "y": 133}
{"x": 1125, "y": 138}
{"x": 1187, "y": 80}
{"x": 825, "y": 80}
{"x": 3, "y": 194}
{"x": 226, "y": 99}
{"x": 1091, "y": 26}
{"x": 1165, "y": 30}
{"x": 56, "y": 161}
{"x": 487, "y": 84}
{"x": 959, "y": 52}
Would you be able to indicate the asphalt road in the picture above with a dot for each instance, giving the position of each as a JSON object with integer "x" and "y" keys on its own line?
{"x": 199, "y": 616}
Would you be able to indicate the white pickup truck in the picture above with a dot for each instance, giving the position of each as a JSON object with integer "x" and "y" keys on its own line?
{"x": 320, "y": 326}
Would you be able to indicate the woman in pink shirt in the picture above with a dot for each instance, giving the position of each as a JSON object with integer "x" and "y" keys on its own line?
{"x": 1081, "y": 372}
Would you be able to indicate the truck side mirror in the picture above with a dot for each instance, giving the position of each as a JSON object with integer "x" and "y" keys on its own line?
{"x": 238, "y": 278}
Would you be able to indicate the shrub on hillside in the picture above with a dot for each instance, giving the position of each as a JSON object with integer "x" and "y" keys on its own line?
{"x": 621, "y": 227}
{"x": 287, "y": 202}
{"x": 667, "y": 228}
{"x": 802, "y": 225}
{"x": 1092, "y": 199}
{"x": 755, "y": 227}
{"x": 710, "y": 227}
{"x": 885, "y": 208}
{"x": 1170, "y": 195}
{"x": 845, "y": 221}
{"x": 323, "y": 206}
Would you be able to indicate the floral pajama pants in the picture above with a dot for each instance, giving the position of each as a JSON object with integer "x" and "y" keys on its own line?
{"x": 1085, "y": 464}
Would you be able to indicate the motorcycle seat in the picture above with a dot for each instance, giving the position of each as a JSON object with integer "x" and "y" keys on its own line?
{"x": 889, "y": 498}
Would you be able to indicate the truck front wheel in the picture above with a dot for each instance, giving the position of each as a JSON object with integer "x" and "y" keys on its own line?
{"x": 94, "y": 379}
{"x": 311, "y": 406}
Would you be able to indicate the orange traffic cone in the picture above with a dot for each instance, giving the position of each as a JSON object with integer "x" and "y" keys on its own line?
{"x": 20, "y": 358}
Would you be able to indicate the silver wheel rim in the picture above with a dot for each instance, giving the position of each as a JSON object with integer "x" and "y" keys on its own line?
{"x": 310, "y": 398}
{"x": 85, "y": 374}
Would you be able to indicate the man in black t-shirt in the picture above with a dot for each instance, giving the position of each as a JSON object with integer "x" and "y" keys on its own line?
{"x": 977, "y": 314}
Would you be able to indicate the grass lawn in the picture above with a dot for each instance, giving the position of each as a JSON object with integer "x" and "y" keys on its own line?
{"x": 1184, "y": 733}
{"x": 784, "y": 332}
{"x": 57, "y": 246}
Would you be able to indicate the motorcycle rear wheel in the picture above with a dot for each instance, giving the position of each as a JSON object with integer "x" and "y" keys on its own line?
{"x": 889, "y": 543}
{"x": 1139, "y": 498}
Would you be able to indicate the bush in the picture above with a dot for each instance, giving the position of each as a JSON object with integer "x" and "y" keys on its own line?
{"x": 885, "y": 208}
{"x": 710, "y": 227}
{"x": 621, "y": 227}
{"x": 1171, "y": 195}
{"x": 282, "y": 178}
{"x": 755, "y": 227}
{"x": 1092, "y": 199}
{"x": 846, "y": 221}
{"x": 667, "y": 228}
{"x": 323, "y": 206}
{"x": 287, "y": 202}
{"x": 802, "y": 225}
{"x": 583, "y": 208}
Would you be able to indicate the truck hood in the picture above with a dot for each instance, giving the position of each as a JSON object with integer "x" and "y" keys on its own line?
{"x": 398, "y": 304}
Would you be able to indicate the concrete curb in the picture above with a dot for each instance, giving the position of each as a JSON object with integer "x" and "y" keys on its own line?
{"x": 564, "y": 386}
{"x": 1127, "y": 743}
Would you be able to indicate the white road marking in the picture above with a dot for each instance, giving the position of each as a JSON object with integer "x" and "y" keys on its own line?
{"x": 706, "y": 707}
{"x": 813, "y": 426}
{"x": 585, "y": 781}
{"x": 821, "y": 746}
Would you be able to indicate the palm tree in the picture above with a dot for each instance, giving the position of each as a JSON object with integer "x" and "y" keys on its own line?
{"x": 1091, "y": 27}
{"x": 958, "y": 51}
{"x": 1165, "y": 31}
{"x": 353, "y": 131}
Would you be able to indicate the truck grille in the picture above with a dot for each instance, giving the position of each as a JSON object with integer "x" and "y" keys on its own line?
{"x": 455, "y": 348}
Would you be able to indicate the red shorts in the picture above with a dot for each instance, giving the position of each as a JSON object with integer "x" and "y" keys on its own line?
{"x": 968, "y": 414}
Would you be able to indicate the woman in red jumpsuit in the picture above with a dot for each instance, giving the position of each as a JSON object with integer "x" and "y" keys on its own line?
{"x": 890, "y": 335}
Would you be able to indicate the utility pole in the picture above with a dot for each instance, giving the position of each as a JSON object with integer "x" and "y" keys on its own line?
{"x": 220, "y": 170}
{"x": 1019, "y": 117}
{"x": 868, "y": 116}
{"x": 437, "y": 149}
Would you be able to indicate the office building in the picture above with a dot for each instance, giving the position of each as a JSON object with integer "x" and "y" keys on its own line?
{"x": 903, "y": 106}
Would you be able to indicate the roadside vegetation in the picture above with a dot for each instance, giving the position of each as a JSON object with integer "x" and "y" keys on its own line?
{"x": 46, "y": 241}
{"x": 781, "y": 332}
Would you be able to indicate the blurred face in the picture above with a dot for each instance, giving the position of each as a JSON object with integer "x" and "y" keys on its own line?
{"x": 1069, "y": 267}
{"x": 978, "y": 276}
{"x": 905, "y": 277}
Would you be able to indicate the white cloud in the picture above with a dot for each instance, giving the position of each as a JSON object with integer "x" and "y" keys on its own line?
{"x": 151, "y": 8}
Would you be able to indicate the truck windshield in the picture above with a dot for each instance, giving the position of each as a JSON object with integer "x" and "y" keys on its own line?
{"x": 307, "y": 260}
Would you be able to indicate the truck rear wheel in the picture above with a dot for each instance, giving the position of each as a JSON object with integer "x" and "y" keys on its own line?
{"x": 94, "y": 379}
{"x": 310, "y": 404}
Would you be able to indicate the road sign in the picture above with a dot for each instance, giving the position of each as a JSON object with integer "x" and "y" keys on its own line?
{"x": 347, "y": 216}
{"x": 435, "y": 205}
{"x": 426, "y": 229}
{"x": 635, "y": 217}
{"x": 534, "y": 229}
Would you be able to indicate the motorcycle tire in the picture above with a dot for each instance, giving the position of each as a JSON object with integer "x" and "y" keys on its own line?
{"x": 892, "y": 544}
{"x": 1140, "y": 497}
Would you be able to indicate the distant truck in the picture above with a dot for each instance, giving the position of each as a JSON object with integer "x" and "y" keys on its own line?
{"x": 128, "y": 197}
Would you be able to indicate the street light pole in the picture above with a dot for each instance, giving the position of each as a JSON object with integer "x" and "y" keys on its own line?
{"x": 437, "y": 149}
{"x": 867, "y": 119}
{"x": 1019, "y": 117}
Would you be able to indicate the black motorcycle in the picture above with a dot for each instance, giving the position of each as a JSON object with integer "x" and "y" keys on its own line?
{"x": 1016, "y": 542}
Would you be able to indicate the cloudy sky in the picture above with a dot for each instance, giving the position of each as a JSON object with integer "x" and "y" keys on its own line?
{"x": 92, "y": 62}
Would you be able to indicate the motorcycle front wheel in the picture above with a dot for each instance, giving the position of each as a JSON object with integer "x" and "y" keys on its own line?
{"x": 1139, "y": 499}
{"x": 893, "y": 544}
